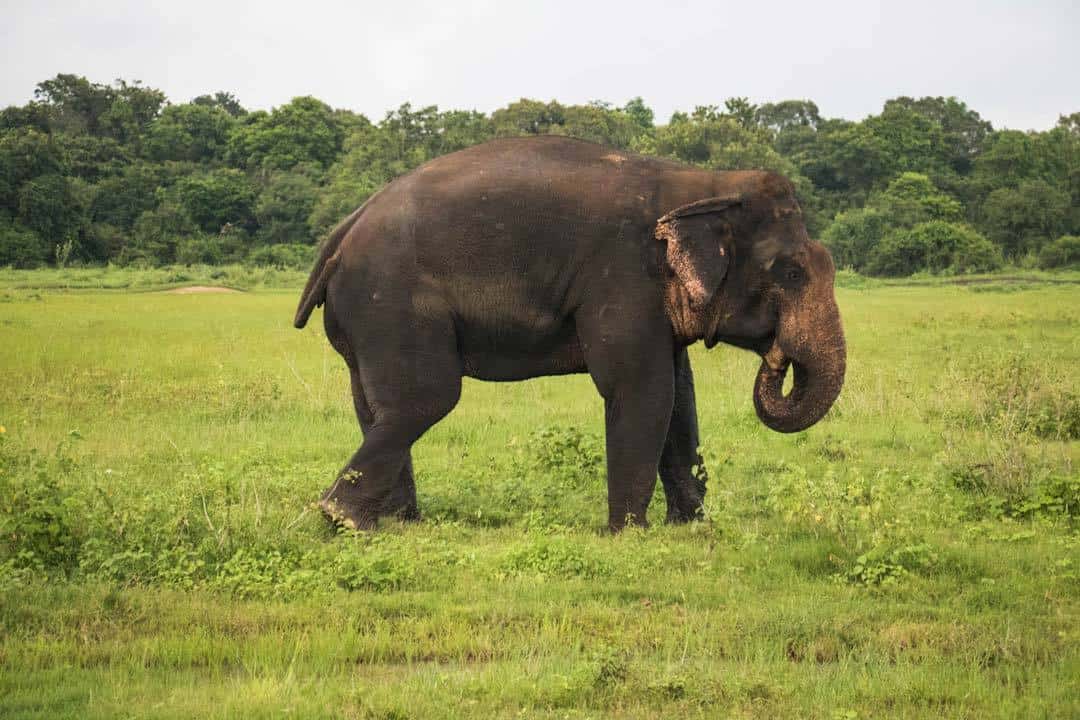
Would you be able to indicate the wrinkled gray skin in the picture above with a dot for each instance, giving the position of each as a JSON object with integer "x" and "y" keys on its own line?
{"x": 545, "y": 256}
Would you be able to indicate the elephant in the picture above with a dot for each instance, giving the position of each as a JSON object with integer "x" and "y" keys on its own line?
{"x": 546, "y": 255}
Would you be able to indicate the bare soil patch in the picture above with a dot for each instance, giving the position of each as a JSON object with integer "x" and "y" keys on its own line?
{"x": 200, "y": 289}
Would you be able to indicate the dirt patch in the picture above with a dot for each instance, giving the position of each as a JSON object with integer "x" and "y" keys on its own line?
{"x": 200, "y": 289}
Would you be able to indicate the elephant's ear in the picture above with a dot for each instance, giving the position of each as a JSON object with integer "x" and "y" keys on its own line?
{"x": 696, "y": 239}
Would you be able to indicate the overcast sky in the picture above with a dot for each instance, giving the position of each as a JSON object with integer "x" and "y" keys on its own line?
{"x": 1016, "y": 63}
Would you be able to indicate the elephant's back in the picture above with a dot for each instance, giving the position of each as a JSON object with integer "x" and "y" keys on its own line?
{"x": 541, "y": 159}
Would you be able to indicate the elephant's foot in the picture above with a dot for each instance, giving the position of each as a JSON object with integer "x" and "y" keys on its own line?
{"x": 685, "y": 493}
{"x": 681, "y": 515}
{"x": 341, "y": 506}
{"x": 683, "y": 504}
{"x": 401, "y": 504}
{"x": 617, "y": 522}
{"x": 339, "y": 513}
{"x": 408, "y": 513}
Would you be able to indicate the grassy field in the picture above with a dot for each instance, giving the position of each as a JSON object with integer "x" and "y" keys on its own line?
{"x": 913, "y": 555}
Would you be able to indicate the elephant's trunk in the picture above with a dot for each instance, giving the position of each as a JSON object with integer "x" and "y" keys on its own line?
{"x": 812, "y": 341}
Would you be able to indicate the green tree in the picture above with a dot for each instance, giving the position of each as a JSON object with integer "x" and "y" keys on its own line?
{"x": 218, "y": 198}
{"x": 915, "y": 142}
{"x": 223, "y": 100}
{"x": 793, "y": 125}
{"x": 858, "y": 158}
{"x": 912, "y": 198}
{"x": 156, "y": 234}
{"x": 909, "y": 200}
{"x": 19, "y": 246}
{"x": 528, "y": 117}
{"x": 1009, "y": 158}
{"x": 640, "y": 113}
{"x": 34, "y": 115}
{"x": 370, "y": 159}
{"x": 459, "y": 129}
{"x": 76, "y": 105}
{"x": 1023, "y": 219}
{"x": 1060, "y": 149}
{"x": 284, "y": 205}
{"x": 51, "y": 206}
{"x": 742, "y": 111}
{"x": 192, "y": 132}
{"x": 90, "y": 157}
{"x": 375, "y": 154}
{"x": 599, "y": 124}
{"x": 847, "y": 158}
{"x": 965, "y": 133}
{"x": 852, "y": 236}
{"x": 26, "y": 153}
{"x": 80, "y": 106}
{"x": 305, "y": 130}
{"x": 788, "y": 114}
{"x": 120, "y": 199}
{"x": 133, "y": 108}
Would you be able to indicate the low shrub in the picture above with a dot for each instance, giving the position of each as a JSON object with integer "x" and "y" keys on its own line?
{"x": 936, "y": 246}
{"x": 286, "y": 256}
{"x": 553, "y": 557}
{"x": 199, "y": 249}
{"x": 19, "y": 246}
{"x": 851, "y": 237}
{"x": 40, "y": 525}
{"x": 370, "y": 564}
{"x": 567, "y": 455}
{"x": 1061, "y": 253}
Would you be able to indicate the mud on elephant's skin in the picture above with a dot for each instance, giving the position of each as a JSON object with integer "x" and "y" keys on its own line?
{"x": 546, "y": 256}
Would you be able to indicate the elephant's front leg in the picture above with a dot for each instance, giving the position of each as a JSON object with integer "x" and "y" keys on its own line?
{"x": 629, "y": 352}
{"x": 636, "y": 383}
{"x": 682, "y": 469}
{"x": 637, "y": 417}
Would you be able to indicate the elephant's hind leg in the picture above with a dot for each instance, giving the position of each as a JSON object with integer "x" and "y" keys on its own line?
{"x": 370, "y": 484}
{"x": 406, "y": 375}
{"x": 401, "y": 502}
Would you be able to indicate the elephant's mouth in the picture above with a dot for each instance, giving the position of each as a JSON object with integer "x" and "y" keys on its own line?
{"x": 713, "y": 336}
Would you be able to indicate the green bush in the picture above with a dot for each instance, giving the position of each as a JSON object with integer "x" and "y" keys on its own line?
{"x": 20, "y": 247}
{"x": 912, "y": 198}
{"x": 567, "y": 455}
{"x": 934, "y": 246}
{"x": 852, "y": 236}
{"x": 199, "y": 249}
{"x": 296, "y": 256}
{"x": 373, "y": 567}
{"x": 157, "y": 233}
{"x": 557, "y": 557}
{"x": 1062, "y": 253}
{"x": 42, "y": 525}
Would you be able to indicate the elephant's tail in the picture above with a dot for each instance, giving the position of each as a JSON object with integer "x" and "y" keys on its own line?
{"x": 329, "y": 256}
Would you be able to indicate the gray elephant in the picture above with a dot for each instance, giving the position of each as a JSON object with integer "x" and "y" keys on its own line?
{"x": 546, "y": 256}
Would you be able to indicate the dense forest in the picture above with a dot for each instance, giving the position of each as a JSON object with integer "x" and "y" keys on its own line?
{"x": 94, "y": 173}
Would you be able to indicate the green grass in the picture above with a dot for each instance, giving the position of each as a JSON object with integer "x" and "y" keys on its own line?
{"x": 913, "y": 555}
{"x": 113, "y": 277}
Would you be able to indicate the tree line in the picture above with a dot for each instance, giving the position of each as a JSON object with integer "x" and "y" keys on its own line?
{"x": 115, "y": 173}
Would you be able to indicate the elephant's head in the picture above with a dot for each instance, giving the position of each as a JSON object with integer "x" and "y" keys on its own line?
{"x": 740, "y": 269}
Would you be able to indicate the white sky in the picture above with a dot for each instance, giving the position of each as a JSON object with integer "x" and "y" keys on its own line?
{"x": 1016, "y": 63}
